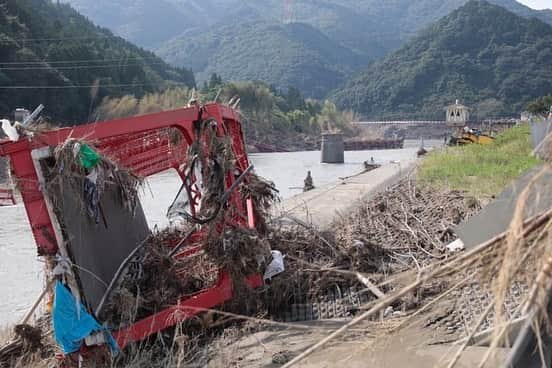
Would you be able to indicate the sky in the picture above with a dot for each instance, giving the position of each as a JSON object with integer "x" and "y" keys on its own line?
{"x": 537, "y": 4}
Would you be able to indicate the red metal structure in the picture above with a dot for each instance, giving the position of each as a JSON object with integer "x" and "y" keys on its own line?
{"x": 141, "y": 144}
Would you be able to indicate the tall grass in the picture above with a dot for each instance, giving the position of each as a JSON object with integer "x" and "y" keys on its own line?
{"x": 482, "y": 170}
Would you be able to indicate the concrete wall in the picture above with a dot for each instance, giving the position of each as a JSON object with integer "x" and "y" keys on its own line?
{"x": 333, "y": 150}
{"x": 539, "y": 130}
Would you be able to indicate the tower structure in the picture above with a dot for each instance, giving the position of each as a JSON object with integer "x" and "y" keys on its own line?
{"x": 289, "y": 11}
{"x": 458, "y": 115}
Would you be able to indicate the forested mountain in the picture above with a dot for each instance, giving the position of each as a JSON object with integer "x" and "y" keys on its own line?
{"x": 252, "y": 33}
{"x": 147, "y": 23}
{"x": 492, "y": 59}
{"x": 372, "y": 26}
{"x": 282, "y": 55}
{"x": 51, "y": 54}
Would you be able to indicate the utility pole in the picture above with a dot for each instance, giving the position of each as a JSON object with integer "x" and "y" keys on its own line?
{"x": 289, "y": 11}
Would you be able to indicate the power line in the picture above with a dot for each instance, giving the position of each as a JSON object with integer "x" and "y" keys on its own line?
{"x": 63, "y": 38}
{"x": 77, "y": 66}
{"x": 123, "y": 58}
{"x": 92, "y": 85}
{"x": 289, "y": 11}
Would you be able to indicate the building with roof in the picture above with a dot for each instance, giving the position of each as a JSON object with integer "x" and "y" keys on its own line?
{"x": 458, "y": 115}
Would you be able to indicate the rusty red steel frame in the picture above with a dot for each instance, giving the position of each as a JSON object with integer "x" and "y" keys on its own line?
{"x": 144, "y": 145}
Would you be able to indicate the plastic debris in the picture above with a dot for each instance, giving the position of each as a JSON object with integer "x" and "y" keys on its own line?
{"x": 88, "y": 157}
{"x": 388, "y": 312}
{"x": 456, "y": 246}
{"x": 275, "y": 267}
{"x": 72, "y": 323}
{"x": 10, "y": 130}
{"x": 63, "y": 266}
{"x": 93, "y": 189}
{"x": 76, "y": 149}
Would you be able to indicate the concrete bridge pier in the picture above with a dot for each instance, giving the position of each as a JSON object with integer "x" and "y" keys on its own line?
{"x": 333, "y": 149}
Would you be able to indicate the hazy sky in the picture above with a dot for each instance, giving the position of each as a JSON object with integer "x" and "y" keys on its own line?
{"x": 537, "y": 4}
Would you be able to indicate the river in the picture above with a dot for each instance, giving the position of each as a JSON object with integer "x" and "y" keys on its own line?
{"x": 21, "y": 270}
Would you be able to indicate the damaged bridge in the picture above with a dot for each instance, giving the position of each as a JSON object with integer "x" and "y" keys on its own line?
{"x": 80, "y": 188}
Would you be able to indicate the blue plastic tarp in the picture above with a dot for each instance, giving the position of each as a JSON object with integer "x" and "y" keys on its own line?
{"x": 72, "y": 325}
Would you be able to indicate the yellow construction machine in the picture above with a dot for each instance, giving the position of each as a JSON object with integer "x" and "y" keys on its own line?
{"x": 457, "y": 118}
{"x": 467, "y": 135}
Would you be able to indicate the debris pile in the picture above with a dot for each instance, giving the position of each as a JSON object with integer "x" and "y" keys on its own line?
{"x": 412, "y": 224}
{"x": 264, "y": 194}
{"x": 154, "y": 280}
{"x": 29, "y": 345}
{"x": 158, "y": 278}
{"x": 500, "y": 261}
{"x": 404, "y": 228}
{"x": 78, "y": 165}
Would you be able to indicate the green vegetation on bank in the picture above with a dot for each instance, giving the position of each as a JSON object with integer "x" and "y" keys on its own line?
{"x": 491, "y": 59}
{"x": 271, "y": 116}
{"x": 51, "y": 54}
{"x": 482, "y": 170}
{"x": 541, "y": 107}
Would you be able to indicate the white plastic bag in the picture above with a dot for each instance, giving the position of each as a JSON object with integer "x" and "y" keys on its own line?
{"x": 456, "y": 246}
{"x": 275, "y": 267}
{"x": 10, "y": 130}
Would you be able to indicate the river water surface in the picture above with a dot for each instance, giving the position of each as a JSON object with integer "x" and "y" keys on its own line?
{"x": 21, "y": 270}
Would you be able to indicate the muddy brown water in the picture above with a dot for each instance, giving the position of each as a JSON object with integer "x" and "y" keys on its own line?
{"x": 21, "y": 270}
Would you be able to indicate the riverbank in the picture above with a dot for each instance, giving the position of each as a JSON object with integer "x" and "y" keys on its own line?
{"x": 421, "y": 337}
{"x": 482, "y": 170}
{"x": 378, "y": 260}
{"x": 321, "y": 206}
{"x": 287, "y": 170}
{"x": 332, "y": 272}
{"x": 463, "y": 300}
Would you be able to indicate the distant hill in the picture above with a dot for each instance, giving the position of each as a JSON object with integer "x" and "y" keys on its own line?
{"x": 51, "y": 54}
{"x": 358, "y": 32}
{"x": 283, "y": 55}
{"x": 146, "y": 23}
{"x": 490, "y": 58}
{"x": 391, "y": 23}
{"x": 367, "y": 26}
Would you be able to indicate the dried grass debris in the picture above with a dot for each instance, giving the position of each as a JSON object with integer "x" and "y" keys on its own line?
{"x": 30, "y": 346}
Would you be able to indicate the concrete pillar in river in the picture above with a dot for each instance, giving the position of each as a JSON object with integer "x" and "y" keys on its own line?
{"x": 333, "y": 149}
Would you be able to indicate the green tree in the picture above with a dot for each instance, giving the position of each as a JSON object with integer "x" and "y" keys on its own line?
{"x": 541, "y": 106}
{"x": 491, "y": 59}
{"x": 294, "y": 99}
{"x": 114, "y": 67}
{"x": 299, "y": 120}
{"x": 330, "y": 118}
{"x": 215, "y": 81}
